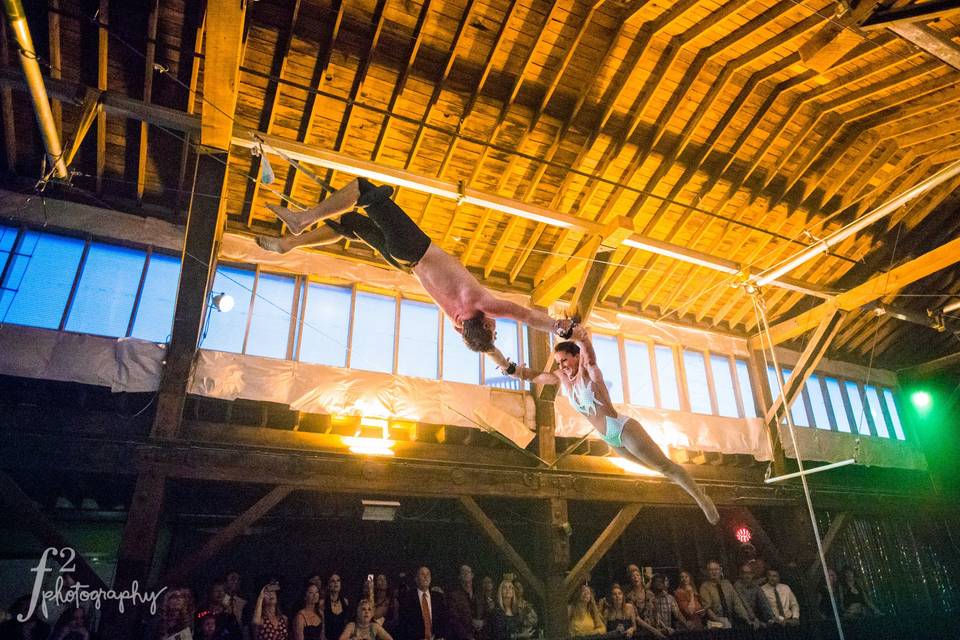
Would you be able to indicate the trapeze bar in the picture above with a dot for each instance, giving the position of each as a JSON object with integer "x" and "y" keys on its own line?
{"x": 806, "y": 472}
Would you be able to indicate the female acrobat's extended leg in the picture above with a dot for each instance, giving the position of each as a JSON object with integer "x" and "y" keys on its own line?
{"x": 639, "y": 446}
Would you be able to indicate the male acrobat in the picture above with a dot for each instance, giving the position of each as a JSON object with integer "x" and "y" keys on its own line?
{"x": 389, "y": 230}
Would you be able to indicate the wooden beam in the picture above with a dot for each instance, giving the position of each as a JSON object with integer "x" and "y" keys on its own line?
{"x": 588, "y": 290}
{"x": 757, "y": 369}
{"x": 204, "y": 222}
{"x": 103, "y": 69}
{"x": 564, "y": 277}
{"x": 473, "y": 510}
{"x": 812, "y": 355}
{"x": 91, "y": 109}
{"x": 150, "y": 58}
{"x": 837, "y": 525}
{"x": 934, "y": 42}
{"x": 29, "y": 516}
{"x": 221, "y": 71}
{"x": 555, "y": 536}
{"x": 56, "y": 61}
{"x": 932, "y": 367}
{"x": 919, "y": 12}
{"x": 600, "y": 547}
{"x": 877, "y": 287}
{"x": 137, "y": 545}
{"x": 9, "y": 125}
{"x": 225, "y": 536}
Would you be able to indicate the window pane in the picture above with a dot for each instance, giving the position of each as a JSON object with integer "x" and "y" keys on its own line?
{"x": 608, "y": 359}
{"x": 697, "y": 388}
{"x": 8, "y": 235}
{"x": 723, "y": 384}
{"x": 373, "y": 332}
{"x": 820, "y": 414}
{"x": 507, "y": 343}
{"x": 419, "y": 329}
{"x": 836, "y": 401}
{"x": 326, "y": 325}
{"x": 746, "y": 389}
{"x": 856, "y": 404}
{"x": 639, "y": 375}
{"x": 459, "y": 363}
{"x": 270, "y": 327}
{"x": 107, "y": 290}
{"x": 798, "y": 411}
{"x": 667, "y": 377}
{"x": 225, "y": 329}
{"x": 876, "y": 411}
{"x": 38, "y": 283}
{"x": 155, "y": 311}
{"x": 894, "y": 414}
{"x": 773, "y": 382}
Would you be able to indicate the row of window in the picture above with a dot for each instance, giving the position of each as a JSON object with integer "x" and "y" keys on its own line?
{"x": 60, "y": 282}
{"x": 848, "y": 406}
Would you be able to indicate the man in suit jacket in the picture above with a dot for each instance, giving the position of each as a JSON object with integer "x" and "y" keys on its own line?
{"x": 721, "y": 601}
{"x": 423, "y": 613}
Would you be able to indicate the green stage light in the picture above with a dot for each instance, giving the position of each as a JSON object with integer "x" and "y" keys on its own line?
{"x": 921, "y": 400}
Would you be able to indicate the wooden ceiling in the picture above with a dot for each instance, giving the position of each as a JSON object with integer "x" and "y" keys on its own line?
{"x": 741, "y": 129}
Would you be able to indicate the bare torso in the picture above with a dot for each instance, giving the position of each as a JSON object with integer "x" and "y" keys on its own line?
{"x": 450, "y": 285}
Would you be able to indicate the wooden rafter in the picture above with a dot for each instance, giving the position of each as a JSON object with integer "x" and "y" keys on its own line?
{"x": 223, "y": 51}
{"x": 6, "y": 95}
{"x": 56, "y": 60}
{"x": 600, "y": 547}
{"x": 103, "y": 42}
{"x": 917, "y": 12}
{"x": 149, "y": 60}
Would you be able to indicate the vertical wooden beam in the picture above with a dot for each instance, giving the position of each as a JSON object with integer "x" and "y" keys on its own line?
{"x": 56, "y": 64}
{"x": 6, "y": 95}
{"x": 136, "y": 549}
{"x": 543, "y": 396}
{"x": 600, "y": 547}
{"x": 758, "y": 373}
{"x": 30, "y": 516}
{"x": 150, "y": 58}
{"x": 197, "y": 263}
{"x": 103, "y": 42}
{"x": 225, "y": 536}
{"x": 221, "y": 71}
{"x": 556, "y": 547}
{"x": 476, "y": 514}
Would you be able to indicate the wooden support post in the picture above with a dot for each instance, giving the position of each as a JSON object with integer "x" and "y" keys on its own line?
{"x": 809, "y": 359}
{"x": 136, "y": 550}
{"x": 226, "y": 535}
{"x": 30, "y": 516}
{"x": 543, "y": 396}
{"x": 556, "y": 536}
{"x": 836, "y": 528}
{"x": 197, "y": 263}
{"x": 481, "y": 519}
{"x": 600, "y": 547}
{"x": 587, "y": 292}
{"x": 758, "y": 375}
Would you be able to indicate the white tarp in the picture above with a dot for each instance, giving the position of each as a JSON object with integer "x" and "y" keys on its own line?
{"x": 126, "y": 364}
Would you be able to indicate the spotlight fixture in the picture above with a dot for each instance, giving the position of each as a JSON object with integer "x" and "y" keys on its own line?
{"x": 222, "y": 302}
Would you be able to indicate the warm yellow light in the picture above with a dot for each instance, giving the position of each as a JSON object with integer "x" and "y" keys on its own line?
{"x": 632, "y": 467}
{"x": 366, "y": 421}
{"x": 370, "y": 446}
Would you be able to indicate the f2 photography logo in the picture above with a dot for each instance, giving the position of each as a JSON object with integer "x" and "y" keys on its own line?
{"x": 67, "y": 591}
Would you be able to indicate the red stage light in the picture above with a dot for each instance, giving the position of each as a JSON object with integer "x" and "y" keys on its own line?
{"x": 743, "y": 534}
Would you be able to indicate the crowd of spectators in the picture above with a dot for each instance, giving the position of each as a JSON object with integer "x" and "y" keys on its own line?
{"x": 645, "y": 606}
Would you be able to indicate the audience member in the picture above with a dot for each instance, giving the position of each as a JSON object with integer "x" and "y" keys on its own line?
{"x": 465, "y": 614}
{"x": 220, "y": 604}
{"x": 662, "y": 612}
{"x": 72, "y": 625}
{"x": 308, "y": 623}
{"x": 784, "y": 604}
{"x": 855, "y": 602}
{"x": 422, "y": 612}
{"x": 205, "y": 628}
{"x": 637, "y": 593}
{"x": 722, "y": 604}
{"x": 33, "y": 629}
{"x": 618, "y": 614}
{"x": 335, "y": 609}
{"x": 751, "y": 596}
{"x": 527, "y": 612}
{"x": 583, "y": 614}
{"x": 384, "y": 604}
{"x": 176, "y": 614}
{"x": 232, "y": 584}
{"x": 507, "y": 623}
{"x": 268, "y": 622}
{"x": 689, "y": 601}
{"x": 824, "y": 608}
{"x": 488, "y": 596}
{"x": 364, "y": 628}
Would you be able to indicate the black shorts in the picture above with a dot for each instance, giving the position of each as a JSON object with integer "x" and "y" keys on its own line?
{"x": 404, "y": 239}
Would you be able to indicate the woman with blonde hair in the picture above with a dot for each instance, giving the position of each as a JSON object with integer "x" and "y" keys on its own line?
{"x": 583, "y": 614}
{"x": 364, "y": 628}
{"x": 507, "y": 622}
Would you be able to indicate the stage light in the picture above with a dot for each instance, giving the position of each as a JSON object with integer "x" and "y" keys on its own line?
{"x": 743, "y": 535}
{"x": 370, "y": 446}
{"x": 921, "y": 400}
{"x": 222, "y": 302}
